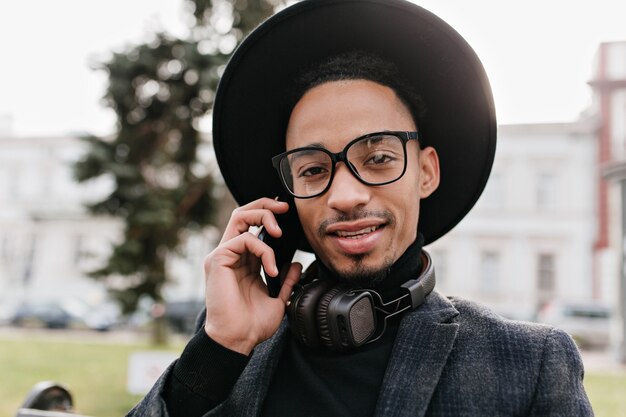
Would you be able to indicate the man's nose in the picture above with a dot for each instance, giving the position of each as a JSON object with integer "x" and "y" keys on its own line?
{"x": 347, "y": 192}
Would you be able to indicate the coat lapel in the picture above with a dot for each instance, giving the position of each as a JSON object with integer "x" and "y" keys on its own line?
{"x": 422, "y": 346}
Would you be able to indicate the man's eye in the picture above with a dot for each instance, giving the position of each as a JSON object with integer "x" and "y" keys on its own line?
{"x": 309, "y": 172}
{"x": 379, "y": 158}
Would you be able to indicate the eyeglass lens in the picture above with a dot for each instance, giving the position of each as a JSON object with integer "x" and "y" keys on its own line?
{"x": 374, "y": 159}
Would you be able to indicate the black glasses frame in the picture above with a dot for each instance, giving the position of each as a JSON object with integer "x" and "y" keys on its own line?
{"x": 343, "y": 157}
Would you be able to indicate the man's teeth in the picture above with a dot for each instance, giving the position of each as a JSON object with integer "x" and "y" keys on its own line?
{"x": 356, "y": 233}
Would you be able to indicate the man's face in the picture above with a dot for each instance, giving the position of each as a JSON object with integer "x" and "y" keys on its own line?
{"x": 355, "y": 229}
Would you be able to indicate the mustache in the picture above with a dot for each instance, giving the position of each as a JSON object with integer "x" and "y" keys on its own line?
{"x": 385, "y": 215}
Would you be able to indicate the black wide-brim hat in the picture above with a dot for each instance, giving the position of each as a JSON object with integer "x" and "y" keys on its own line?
{"x": 252, "y": 104}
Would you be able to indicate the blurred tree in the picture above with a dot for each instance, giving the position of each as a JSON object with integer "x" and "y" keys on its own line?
{"x": 161, "y": 92}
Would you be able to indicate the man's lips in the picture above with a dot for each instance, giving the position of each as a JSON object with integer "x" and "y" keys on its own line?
{"x": 356, "y": 238}
{"x": 357, "y": 233}
{"x": 354, "y": 229}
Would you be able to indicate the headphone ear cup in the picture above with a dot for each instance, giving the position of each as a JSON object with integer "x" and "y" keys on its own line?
{"x": 323, "y": 321}
{"x": 302, "y": 312}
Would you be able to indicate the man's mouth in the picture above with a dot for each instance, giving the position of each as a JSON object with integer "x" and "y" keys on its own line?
{"x": 357, "y": 233}
{"x": 356, "y": 236}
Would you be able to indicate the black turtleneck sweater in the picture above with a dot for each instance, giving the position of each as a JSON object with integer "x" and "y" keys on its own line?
{"x": 307, "y": 382}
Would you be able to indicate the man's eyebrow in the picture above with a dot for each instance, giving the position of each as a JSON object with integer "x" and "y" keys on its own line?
{"x": 302, "y": 153}
{"x": 317, "y": 145}
{"x": 313, "y": 145}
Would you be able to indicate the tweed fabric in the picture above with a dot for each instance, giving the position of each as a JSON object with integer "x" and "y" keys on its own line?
{"x": 451, "y": 357}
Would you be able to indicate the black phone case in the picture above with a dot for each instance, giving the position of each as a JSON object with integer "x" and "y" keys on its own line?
{"x": 284, "y": 250}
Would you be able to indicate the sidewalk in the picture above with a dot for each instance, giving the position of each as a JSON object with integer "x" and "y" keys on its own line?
{"x": 594, "y": 360}
{"x": 602, "y": 361}
{"x": 116, "y": 337}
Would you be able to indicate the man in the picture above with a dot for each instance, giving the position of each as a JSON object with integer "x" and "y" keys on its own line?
{"x": 378, "y": 120}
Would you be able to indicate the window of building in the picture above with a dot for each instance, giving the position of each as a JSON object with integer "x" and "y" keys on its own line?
{"x": 4, "y": 183}
{"x": 30, "y": 252}
{"x": 489, "y": 272}
{"x": 10, "y": 181}
{"x": 493, "y": 195}
{"x": 546, "y": 190}
{"x": 5, "y": 249}
{"x": 546, "y": 276}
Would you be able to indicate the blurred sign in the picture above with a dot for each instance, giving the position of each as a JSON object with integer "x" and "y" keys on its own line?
{"x": 144, "y": 368}
{"x": 30, "y": 412}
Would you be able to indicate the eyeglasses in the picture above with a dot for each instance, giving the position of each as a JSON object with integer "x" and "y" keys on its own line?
{"x": 374, "y": 159}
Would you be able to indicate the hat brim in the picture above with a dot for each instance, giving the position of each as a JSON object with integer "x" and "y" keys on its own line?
{"x": 252, "y": 105}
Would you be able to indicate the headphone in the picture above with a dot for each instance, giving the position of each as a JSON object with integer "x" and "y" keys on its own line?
{"x": 334, "y": 316}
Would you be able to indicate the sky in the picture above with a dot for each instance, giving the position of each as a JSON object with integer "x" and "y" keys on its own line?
{"x": 538, "y": 55}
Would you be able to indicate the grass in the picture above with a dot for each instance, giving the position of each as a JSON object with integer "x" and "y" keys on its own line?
{"x": 606, "y": 393}
{"x": 96, "y": 375}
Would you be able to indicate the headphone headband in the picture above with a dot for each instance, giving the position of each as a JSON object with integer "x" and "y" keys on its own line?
{"x": 420, "y": 287}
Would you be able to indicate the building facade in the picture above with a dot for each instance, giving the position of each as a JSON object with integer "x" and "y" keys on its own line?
{"x": 529, "y": 239}
{"x": 47, "y": 239}
{"x": 609, "y": 103}
{"x": 548, "y": 226}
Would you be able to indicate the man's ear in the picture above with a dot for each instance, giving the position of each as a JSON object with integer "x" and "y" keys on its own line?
{"x": 429, "y": 171}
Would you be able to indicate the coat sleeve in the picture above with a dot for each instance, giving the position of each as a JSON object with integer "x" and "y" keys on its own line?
{"x": 153, "y": 404}
{"x": 560, "y": 391}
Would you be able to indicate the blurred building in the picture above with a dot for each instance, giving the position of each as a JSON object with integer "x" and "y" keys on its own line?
{"x": 551, "y": 225}
{"x": 548, "y": 226}
{"x": 47, "y": 240}
{"x": 529, "y": 239}
{"x": 609, "y": 103}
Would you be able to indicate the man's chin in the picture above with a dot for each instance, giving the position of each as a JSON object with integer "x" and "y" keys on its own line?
{"x": 358, "y": 274}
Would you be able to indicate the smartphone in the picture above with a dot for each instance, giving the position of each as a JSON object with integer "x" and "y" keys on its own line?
{"x": 284, "y": 249}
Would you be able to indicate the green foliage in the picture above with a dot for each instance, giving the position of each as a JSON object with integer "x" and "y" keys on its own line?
{"x": 160, "y": 92}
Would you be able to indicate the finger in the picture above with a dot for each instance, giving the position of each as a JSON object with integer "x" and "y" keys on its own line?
{"x": 241, "y": 222}
{"x": 291, "y": 279}
{"x": 244, "y": 217}
{"x": 233, "y": 253}
{"x": 266, "y": 203}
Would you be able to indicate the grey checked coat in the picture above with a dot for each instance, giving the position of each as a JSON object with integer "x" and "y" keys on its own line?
{"x": 451, "y": 358}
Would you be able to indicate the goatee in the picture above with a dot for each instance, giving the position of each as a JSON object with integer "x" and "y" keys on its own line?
{"x": 361, "y": 276}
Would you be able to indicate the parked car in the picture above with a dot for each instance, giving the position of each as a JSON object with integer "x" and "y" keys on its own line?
{"x": 589, "y": 324}
{"x": 64, "y": 314}
{"x": 7, "y": 310}
{"x": 182, "y": 315}
{"x": 48, "y": 315}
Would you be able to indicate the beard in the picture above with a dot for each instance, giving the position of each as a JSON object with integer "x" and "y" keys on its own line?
{"x": 360, "y": 275}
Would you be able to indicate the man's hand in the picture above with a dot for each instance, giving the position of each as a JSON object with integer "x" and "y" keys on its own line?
{"x": 239, "y": 312}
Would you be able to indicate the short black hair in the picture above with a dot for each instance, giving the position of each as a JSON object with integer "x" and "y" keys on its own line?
{"x": 360, "y": 65}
